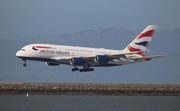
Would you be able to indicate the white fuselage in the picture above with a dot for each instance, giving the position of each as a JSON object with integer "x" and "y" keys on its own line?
{"x": 51, "y": 52}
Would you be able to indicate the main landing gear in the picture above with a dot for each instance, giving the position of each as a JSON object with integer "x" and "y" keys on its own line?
{"x": 24, "y": 63}
{"x": 84, "y": 69}
{"x": 75, "y": 69}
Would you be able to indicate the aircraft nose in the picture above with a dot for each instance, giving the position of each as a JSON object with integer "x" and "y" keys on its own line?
{"x": 17, "y": 53}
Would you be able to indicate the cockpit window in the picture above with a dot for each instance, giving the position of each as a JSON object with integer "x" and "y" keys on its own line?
{"x": 22, "y": 49}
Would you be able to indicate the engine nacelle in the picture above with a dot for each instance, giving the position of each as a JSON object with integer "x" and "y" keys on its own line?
{"x": 102, "y": 59}
{"x": 77, "y": 61}
{"x": 51, "y": 64}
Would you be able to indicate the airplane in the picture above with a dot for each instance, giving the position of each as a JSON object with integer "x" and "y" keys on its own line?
{"x": 88, "y": 58}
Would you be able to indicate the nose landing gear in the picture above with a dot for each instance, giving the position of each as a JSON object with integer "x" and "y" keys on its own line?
{"x": 24, "y": 63}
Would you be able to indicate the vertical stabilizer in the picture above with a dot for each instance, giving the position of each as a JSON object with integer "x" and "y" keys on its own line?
{"x": 141, "y": 42}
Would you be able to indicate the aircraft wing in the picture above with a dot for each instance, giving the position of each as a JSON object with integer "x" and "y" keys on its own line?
{"x": 90, "y": 58}
{"x": 112, "y": 56}
{"x": 119, "y": 55}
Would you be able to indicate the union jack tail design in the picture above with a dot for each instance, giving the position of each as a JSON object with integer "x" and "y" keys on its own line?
{"x": 141, "y": 42}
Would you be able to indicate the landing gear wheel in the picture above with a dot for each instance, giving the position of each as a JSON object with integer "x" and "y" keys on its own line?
{"x": 86, "y": 69}
{"x": 24, "y": 65}
{"x": 91, "y": 69}
{"x": 75, "y": 69}
{"x": 81, "y": 70}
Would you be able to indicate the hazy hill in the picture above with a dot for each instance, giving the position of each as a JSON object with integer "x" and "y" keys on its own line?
{"x": 163, "y": 70}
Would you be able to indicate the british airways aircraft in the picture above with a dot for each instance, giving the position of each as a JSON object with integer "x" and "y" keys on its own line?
{"x": 88, "y": 58}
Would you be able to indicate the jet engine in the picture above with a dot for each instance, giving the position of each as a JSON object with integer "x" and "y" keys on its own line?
{"x": 51, "y": 64}
{"x": 77, "y": 61}
{"x": 102, "y": 59}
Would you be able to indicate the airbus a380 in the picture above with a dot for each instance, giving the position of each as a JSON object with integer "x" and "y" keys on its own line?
{"x": 88, "y": 58}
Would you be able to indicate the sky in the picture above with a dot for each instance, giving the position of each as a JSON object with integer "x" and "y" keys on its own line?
{"x": 31, "y": 18}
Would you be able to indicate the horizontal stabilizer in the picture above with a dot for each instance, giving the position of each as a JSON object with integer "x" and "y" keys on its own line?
{"x": 147, "y": 57}
{"x": 155, "y": 56}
